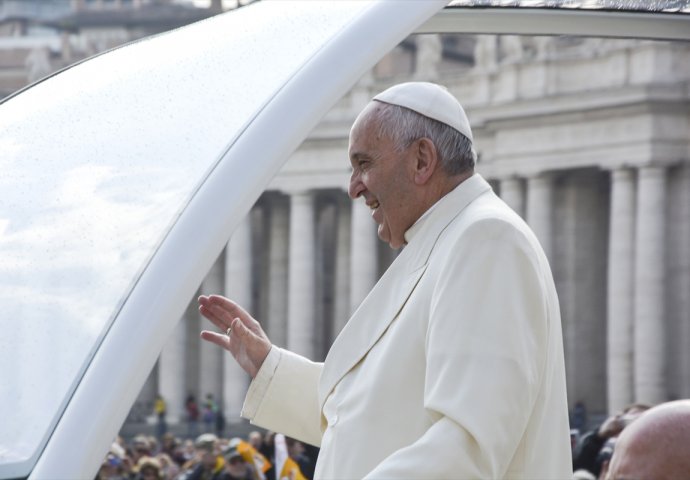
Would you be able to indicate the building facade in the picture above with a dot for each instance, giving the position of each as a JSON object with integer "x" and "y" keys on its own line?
{"x": 587, "y": 139}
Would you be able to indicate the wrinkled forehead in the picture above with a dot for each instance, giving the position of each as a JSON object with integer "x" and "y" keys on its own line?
{"x": 365, "y": 117}
{"x": 367, "y": 122}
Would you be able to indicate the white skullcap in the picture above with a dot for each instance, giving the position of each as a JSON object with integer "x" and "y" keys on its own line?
{"x": 431, "y": 100}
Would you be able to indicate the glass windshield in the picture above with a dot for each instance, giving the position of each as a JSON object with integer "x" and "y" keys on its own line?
{"x": 97, "y": 162}
{"x": 680, "y": 6}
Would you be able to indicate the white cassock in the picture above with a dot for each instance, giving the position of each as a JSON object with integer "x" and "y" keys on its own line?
{"x": 452, "y": 367}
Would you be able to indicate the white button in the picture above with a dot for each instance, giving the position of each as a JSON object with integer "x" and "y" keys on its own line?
{"x": 333, "y": 420}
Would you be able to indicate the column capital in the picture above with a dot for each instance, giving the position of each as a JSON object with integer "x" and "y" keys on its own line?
{"x": 541, "y": 175}
{"x": 652, "y": 171}
{"x": 298, "y": 192}
{"x": 613, "y": 164}
{"x": 622, "y": 172}
{"x": 508, "y": 177}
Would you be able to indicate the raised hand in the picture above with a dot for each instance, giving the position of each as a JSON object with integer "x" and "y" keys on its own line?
{"x": 247, "y": 341}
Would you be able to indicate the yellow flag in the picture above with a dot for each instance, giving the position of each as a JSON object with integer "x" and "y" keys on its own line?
{"x": 291, "y": 470}
{"x": 252, "y": 456}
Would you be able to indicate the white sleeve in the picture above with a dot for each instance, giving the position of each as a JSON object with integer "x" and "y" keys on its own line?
{"x": 283, "y": 397}
{"x": 259, "y": 385}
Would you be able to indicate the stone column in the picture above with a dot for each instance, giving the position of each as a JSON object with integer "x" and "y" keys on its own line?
{"x": 238, "y": 275}
{"x": 513, "y": 193}
{"x": 540, "y": 210}
{"x": 681, "y": 281}
{"x": 325, "y": 259}
{"x": 171, "y": 369}
{"x": 342, "y": 308}
{"x": 147, "y": 395}
{"x": 620, "y": 290}
{"x": 277, "y": 278}
{"x": 210, "y": 356}
{"x": 363, "y": 258}
{"x": 301, "y": 281}
{"x": 429, "y": 57}
{"x": 650, "y": 383}
{"x": 192, "y": 322}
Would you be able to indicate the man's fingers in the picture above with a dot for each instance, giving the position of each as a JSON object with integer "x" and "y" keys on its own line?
{"x": 234, "y": 309}
{"x": 240, "y": 329}
{"x": 218, "y": 338}
{"x": 216, "y": 314}
{"x": 248, "y": 322}
{"x": 213, "y": 317}
{"x": 223, "y": 309}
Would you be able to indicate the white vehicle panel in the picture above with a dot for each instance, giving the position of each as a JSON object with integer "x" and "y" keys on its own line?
{"x": 349, "y": 39}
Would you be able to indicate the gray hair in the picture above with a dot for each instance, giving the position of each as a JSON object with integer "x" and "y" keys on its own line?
{"x": 403, "y": 126}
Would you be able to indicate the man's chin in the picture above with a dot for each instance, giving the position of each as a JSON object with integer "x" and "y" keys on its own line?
{"x": 384, "y": 234}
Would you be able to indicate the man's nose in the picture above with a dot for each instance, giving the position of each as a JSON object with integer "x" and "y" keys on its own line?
{"x": 356, "y": 186}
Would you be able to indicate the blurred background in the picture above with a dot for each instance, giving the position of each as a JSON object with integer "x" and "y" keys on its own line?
{"x": 586, "y": 138}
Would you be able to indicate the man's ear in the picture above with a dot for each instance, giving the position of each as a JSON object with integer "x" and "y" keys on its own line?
{"x": 426, "y": 160}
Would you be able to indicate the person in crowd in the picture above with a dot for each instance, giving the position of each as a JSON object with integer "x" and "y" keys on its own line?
{"x": 172, "y": 447}
{"x": 169, "y": 468}
{"x": 267, "y": 446}
{"x": 207, "y": 464}
{"x": 255, "y": 439}
{"x": 579, "y": 417}
{"x": 268, "y": 451}
{"x": 297, "y": 452}
{"x": 140, "y": 448}
{"x": 655, "y": 446}
{"x": 452, "y": 367}
{"x": 149, "y": 468}
{"x": 192, "y": 409}
{"x": 160, "y": 409}
{"x": 209, "y": 413}
{"x": 188, "y": 451}
{"x": 154, "y": 445}
{"x": 236, "y": 468}
{"x": 596, "y": 446}
{"x": 219, "y": 422}
{"x": 114, "y": 466}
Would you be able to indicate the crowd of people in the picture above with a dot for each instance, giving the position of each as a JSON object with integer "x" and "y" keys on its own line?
{"x": 260, "y": 456}
{"x": 271, "y": 456}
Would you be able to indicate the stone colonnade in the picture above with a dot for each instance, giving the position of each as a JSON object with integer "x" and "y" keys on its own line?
{"x": 638, "y": 326}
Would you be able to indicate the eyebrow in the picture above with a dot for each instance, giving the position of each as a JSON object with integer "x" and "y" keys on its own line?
{"x": 359, "y": 156}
